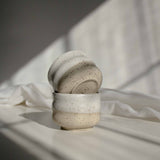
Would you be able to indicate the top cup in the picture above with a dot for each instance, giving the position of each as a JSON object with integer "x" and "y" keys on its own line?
{"x": 73, "y": 72}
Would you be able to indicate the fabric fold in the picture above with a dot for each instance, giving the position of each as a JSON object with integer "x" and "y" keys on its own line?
{"x": 32, "y": 95}
{"x": 130, "y": 104}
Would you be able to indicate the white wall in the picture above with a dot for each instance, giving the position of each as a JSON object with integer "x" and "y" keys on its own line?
{"x": 122, "y": 37}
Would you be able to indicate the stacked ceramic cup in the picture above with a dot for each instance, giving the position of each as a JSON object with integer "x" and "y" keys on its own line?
{"x": 76, "y": 81}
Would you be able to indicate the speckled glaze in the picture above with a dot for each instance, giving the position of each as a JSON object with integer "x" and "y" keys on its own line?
{"x": 76, "y": 111}
{"x": 60, "y": 61}
{"x": 73, "y": 72}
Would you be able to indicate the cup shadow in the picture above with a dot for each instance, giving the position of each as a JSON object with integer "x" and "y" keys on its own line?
{"x": 43, "y": 118}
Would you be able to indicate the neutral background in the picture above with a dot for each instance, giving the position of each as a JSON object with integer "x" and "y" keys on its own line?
{"x": 122, "y": 38}
{"x": 27, "y": 27}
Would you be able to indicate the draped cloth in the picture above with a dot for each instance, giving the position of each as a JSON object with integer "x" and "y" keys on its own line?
{"x": 113, "y": 102}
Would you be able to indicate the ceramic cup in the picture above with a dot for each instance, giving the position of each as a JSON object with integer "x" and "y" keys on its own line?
{"x": 76, "y": 111}
{"x": 73, "y": 72}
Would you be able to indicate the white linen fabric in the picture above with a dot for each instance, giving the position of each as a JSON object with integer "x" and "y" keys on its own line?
{"x": 115, "y": 102}
{"x": 32, "y": 95}
{"x": 130, "y": 104}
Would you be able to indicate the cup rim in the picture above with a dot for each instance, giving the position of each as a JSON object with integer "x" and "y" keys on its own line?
{"x": 74, "y": 94}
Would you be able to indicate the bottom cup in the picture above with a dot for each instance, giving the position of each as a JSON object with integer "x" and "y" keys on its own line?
{"x": 76, "y": 111}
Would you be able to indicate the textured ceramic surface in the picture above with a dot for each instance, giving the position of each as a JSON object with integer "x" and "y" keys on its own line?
{"x": 73, "y": 72}
{"x": 76, "y": 111}
{"x": 60, "y": 61}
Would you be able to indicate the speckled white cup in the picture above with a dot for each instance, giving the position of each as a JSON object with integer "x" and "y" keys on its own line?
{"x": 73, "y": 72}
{"x": 76, "y": 111}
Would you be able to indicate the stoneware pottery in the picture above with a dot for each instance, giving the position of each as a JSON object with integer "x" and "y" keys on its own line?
{"x": 76, "y": 111}
{"x": 73, "y": 72}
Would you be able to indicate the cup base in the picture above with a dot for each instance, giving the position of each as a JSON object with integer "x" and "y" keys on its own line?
{"x": 74, "y": 121}
{"x": 89, "y": 86}
{"x": 80, "y": 129}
